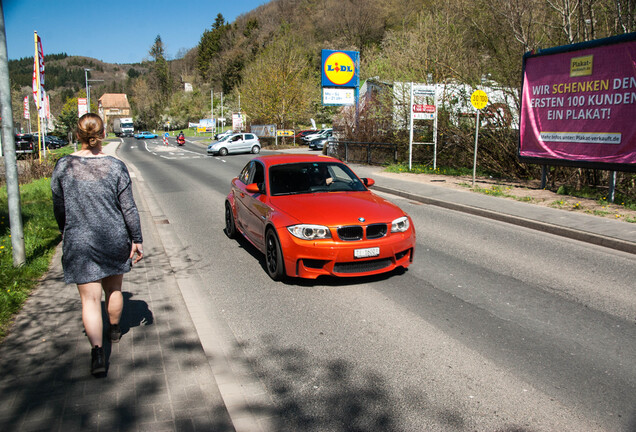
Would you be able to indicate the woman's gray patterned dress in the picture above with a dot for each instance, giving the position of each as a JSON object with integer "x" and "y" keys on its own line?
{"x": 95, "y": 210}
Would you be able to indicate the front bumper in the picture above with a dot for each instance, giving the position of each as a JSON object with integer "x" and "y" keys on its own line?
{"x": 310, "y": 259}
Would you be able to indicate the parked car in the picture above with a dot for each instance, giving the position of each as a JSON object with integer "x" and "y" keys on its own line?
{"x": 26, "y": 144}
{"x": 320, "y": 142}
{"x": 53, "y": 142}
{"x": 223, "y": 134}
{"x": 300, "y": 134}
{"x": 235, "y": 143}
{"x": 319, "y": 134}
{"x": 146, "y": 135}
{"x": 310, "y": 215}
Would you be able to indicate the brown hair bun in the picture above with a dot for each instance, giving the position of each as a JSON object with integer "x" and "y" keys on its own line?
{"x": 90, "y": 129}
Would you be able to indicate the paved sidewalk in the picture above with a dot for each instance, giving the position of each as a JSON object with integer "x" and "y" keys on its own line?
{"x": 159, "y": 377}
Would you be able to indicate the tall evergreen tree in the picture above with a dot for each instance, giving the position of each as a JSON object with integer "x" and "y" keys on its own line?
{"x": 160, "y": 72}
{"x": 210, "y": 45}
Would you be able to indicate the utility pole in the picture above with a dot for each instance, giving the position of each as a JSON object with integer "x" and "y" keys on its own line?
{"x": 88, "y": 98}
{"x": 8, "y": 146}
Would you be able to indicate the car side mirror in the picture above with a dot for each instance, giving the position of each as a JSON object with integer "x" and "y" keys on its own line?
{"x": 253, "y": 188}
{"x": 368, "y": 182}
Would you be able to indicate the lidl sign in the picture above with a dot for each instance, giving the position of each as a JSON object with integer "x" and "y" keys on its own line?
{"x": 340, "y": 68}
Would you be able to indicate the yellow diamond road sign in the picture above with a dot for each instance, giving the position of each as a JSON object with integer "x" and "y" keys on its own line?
{"x": 479, "y": 99}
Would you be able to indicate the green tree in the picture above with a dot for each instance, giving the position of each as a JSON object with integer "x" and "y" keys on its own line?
{"x": 210, "y": 46}
{"x": 279, "y": 86}
{"x": 67, "y": 120}
{"x": 160, "y": 74}
{"x": 188, "y": 107}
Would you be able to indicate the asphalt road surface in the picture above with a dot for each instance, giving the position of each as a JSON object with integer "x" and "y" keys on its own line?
{"x": 492, "y": 328}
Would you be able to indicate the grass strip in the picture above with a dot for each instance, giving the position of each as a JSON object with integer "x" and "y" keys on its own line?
{"x": 41, "y": 236}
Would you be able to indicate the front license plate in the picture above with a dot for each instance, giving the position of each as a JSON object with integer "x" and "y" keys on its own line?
{"x": 366, "y": 253}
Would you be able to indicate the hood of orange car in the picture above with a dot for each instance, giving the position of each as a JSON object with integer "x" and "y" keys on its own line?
{"x": 337, "y": 208}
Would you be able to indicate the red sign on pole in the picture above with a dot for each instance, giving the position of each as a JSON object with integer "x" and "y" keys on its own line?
{"x": 27, "y": 113}
{"x": 423, "y": 108}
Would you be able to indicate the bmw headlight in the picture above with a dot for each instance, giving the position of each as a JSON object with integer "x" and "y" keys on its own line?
{"x": 309, "y": 232}
{"x": 400, "y": 224}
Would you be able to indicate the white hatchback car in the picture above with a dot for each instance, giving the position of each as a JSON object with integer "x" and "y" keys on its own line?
{"x": 235, "y": 143}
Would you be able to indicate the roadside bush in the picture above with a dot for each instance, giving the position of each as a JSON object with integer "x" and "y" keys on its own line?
{"x": 31, "y": 168}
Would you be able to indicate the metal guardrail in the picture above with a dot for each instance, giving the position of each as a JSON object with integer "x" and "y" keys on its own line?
{"x": 363, "y": 152}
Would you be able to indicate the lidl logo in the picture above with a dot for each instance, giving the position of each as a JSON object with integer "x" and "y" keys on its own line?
{"x": 339, "y": 68}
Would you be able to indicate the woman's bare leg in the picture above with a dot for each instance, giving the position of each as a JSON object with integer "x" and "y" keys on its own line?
{"x": 91, "y": 295}
{"x": 114, "y": 297}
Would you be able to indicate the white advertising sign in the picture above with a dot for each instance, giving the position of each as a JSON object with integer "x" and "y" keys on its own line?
{"x": 82, "y": 108}
{"x": 237, "y": 121}
{"x": 338, "y": 96}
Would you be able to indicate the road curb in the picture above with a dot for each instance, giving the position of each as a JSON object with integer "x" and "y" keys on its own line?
{"x": 584, "y": 236}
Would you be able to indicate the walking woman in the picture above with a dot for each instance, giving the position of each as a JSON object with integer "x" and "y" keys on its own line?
{"x": 101, "y": 232}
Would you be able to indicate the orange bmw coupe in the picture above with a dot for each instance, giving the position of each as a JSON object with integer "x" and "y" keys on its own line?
{"x": 310, "y": 215}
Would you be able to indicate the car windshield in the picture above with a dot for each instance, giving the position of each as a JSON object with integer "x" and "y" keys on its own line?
{"x": 312, "y": 177}
{"x": 224, "y": 138}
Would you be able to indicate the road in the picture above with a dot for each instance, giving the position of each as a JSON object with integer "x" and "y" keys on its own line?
{"x": 493, "y": 328}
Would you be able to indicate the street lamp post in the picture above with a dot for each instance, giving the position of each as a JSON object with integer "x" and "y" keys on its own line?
{"x": 88, "y": 97}
{"x": 88, "y": 88}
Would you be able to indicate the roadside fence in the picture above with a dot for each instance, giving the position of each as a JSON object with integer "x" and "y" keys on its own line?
{"x": 363, "y": 152}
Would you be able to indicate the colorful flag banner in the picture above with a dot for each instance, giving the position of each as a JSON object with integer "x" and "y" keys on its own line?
{"x": 38, "y": 73}
{"x": 27, "y": 113}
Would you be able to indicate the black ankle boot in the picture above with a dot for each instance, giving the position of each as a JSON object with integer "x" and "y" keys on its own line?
{"x": 115, "y": 333}
{"x": 98, "y": 361}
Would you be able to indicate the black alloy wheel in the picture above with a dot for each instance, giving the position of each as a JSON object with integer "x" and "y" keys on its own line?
{"x": 274, "y": 256}
{"x": 230, "y": 227}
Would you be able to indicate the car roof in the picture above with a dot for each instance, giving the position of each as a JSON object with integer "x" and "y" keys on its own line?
{"x": 280, "y": 159}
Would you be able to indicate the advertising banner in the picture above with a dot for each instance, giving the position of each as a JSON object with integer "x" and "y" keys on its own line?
{"x": 47, "y": 107}
{"x": 27, "y": 113}
{"x": 424, "y": 101}
{"x": 579, "y": 105}
{"x": 38, "y": 73}
{"x": 206, "y": 124}
{"x": 264, "y": 131}
{"x": 237, "y": 121}
{"x": 82, "y": 108}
